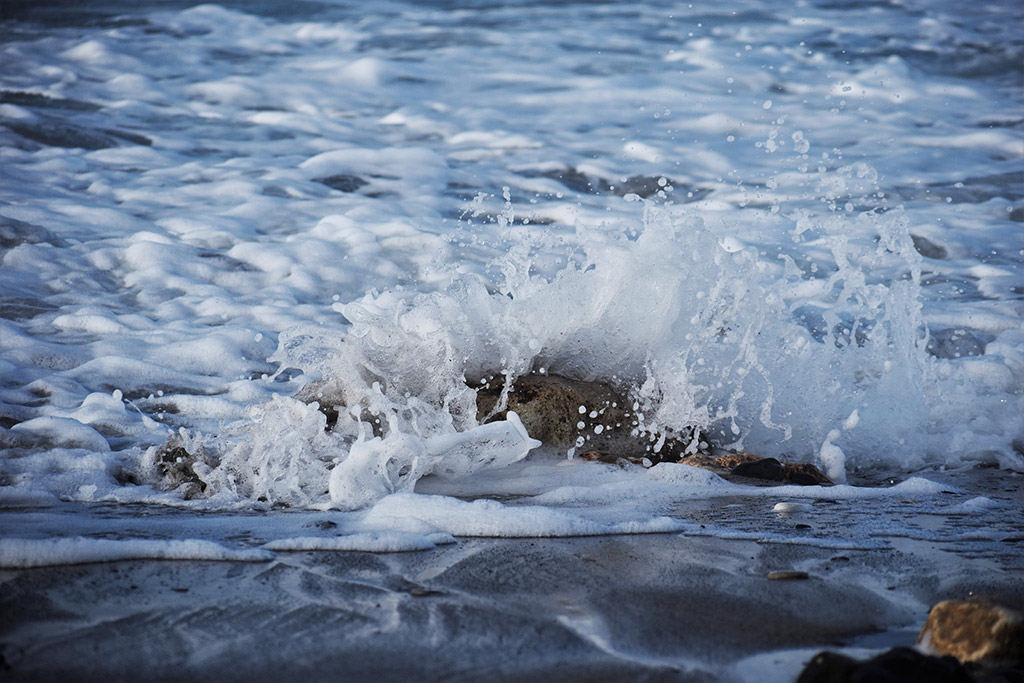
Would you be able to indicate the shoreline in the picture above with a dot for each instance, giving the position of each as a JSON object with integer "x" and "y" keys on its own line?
{"x": 657, "y": 607}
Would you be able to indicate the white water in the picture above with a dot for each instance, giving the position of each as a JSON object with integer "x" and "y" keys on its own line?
{"x": 828, "y": 264}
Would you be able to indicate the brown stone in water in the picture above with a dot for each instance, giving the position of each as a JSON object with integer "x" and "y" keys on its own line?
{"x": 788, "y": 576}
{"x": 730, "y": 461}
{"x": 549, "y": 406}
{"x": 170, "y": 467}
{"x": 974, "y": 631}
{"x": 731, "y": 465}
{"x": 600, "y": 456}
{"x": 721, "y": 464}
{"x": 805, "y": 474}
{"x": 764, "y": 468}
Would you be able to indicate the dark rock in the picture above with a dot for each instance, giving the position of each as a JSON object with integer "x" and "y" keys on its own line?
{"x": 974, "y": 631}
{"x": 751, "y": 467}
{"x": 765, "y": 468}
{"x": 805, "y": 474}
{"x": 828, "y": 667}
{"x": 803, "y": 479}
{"x": 788, "y": 576}
{"x": 899, "y": 665}
{"x": 550, "y": 408}
{"x": 599, "y": 456}
{"x": 172, "y": 466}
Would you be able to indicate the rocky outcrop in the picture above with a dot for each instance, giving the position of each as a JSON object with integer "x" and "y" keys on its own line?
{"x": 899, "y": 665}
{"x": 963, "y": 641}
{"x": 591, "y": 417}
{"x": 600, "y": 423}
{"x": 746, "y": 467}
{"x": 974, "y": 631}
{"x": 170, "y": 467}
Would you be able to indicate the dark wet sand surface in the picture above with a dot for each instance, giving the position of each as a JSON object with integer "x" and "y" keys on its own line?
{"x": 665, "y": 607}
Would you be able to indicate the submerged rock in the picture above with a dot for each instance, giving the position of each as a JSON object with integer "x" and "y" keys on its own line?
{"x": 763, "y": 468}
{"x": 974, "y": 631}
{"x": 590, "y": 416}
{"x": 805, "y": 474}
{"x": 597, "y": 422}
{"x": 171, "y": 466}
{"x": 788, "y": 575}
{"x": 730, "y": 465}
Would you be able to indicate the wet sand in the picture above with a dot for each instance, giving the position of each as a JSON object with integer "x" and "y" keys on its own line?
{"x": 665, "y": 607}
{"x": 653, "y": 607}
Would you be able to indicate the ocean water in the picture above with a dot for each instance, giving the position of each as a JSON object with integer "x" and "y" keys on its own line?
{"x": 795, "y": 227}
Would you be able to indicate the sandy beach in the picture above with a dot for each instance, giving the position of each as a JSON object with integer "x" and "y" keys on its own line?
{"x": 655, "y": 607}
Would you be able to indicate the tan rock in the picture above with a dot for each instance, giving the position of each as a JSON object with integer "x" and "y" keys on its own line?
{"x": 590, "y": 416}
{"x": 726, "y": 464}
{"x": 974, "y": 631}
{"x": 788, "y": 576}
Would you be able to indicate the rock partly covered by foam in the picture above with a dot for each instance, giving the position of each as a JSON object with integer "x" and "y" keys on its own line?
{"x": 747, "y": 466}
{"x": 585, "y": 416}
{"x": 171, "y": 466}
{"x": 602, "y": 424}
{"x": 974, "y": 631}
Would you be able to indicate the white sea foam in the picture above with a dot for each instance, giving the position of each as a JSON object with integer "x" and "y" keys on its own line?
{"x": 380, "y": 541}
{"x": 209, "y": 213}
{"x": 23, "y": 553}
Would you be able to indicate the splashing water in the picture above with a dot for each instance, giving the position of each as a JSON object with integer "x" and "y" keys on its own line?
{"x": 702, "y": 328}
